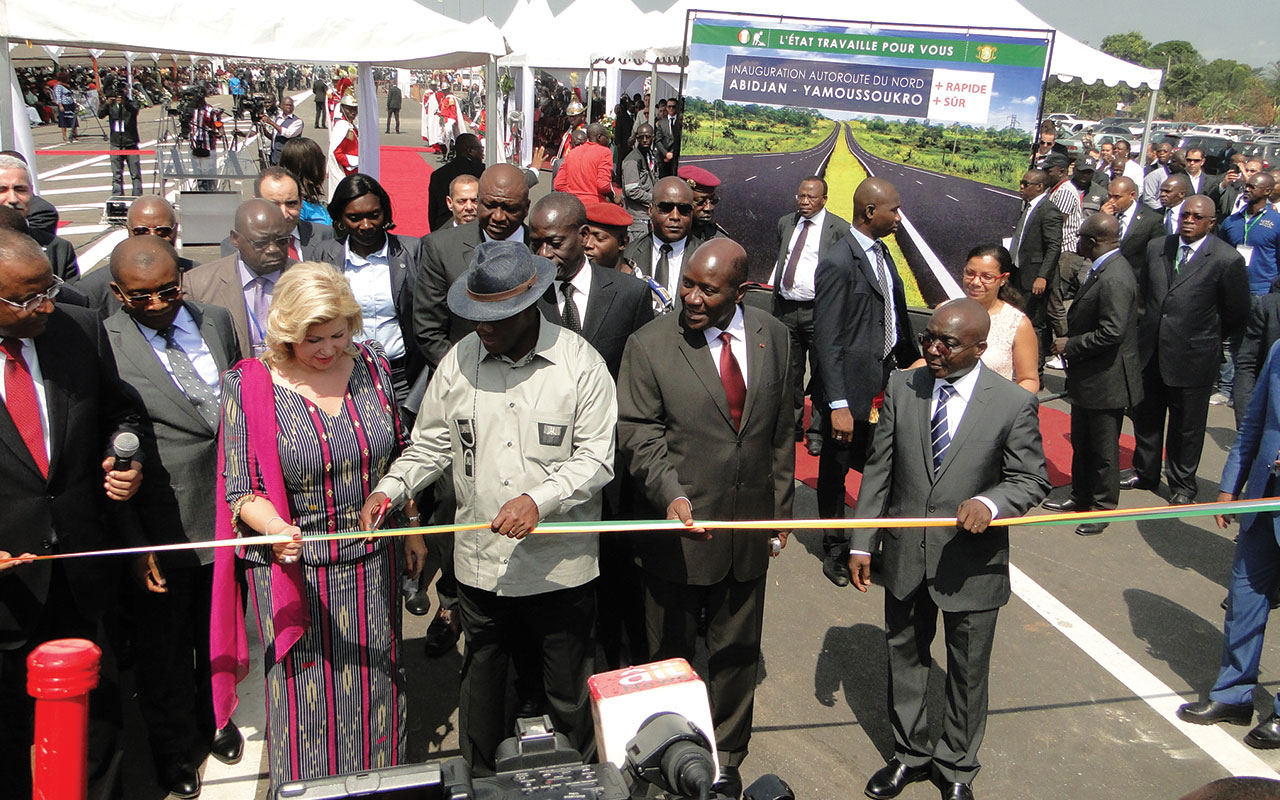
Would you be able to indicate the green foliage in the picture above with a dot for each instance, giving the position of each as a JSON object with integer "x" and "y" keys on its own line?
{"x": 997, "y": 157}
{"x": 721, "y": 127}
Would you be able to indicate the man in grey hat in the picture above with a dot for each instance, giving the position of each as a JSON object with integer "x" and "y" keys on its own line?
{"x": 524, "y": 411}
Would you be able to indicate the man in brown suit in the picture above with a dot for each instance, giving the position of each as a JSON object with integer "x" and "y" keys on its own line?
{"x": 706, "y": 418}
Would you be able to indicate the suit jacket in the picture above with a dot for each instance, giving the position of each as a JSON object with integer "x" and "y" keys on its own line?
{"x": 848, "y": 323}
{"x": 311, "y": 234}
{"x": 404, "y": 253}
{"x": 1247, "y": 473}
{"x": 617, "y": 307}
{"x": 438, "y": 214}
{"x": 1102, "y": 338}
{"x": 1262, "y": 331}
{"x": 1146, "y": 226}
{"x": 833, "y": 230}
{"x": 1188, "y": 315}
{"x": 218, "y": 284}
{"x": 61, "y": 255}
{"x": 96, "y": 287}
{"x": 42, "y": 215}
{"x": 678, "y": 440}
{"x": 640, "y": 251}
{"x": 69, "y": 510}
{"x": 1227, "y": 196}
{"x": 664, "y": 141}
{"x": 638, "y": 181}
{"x": 996, "y": 453}
{"x": 1041, "y": 246}
{"x": 1208, "y": 185}
{"x": 174, "y": 503}
{"x": 444, "y": 257}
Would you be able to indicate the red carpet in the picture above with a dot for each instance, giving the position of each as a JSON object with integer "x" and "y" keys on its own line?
{"x": 406, "y": 176}
{"x": 1055, "y": 430}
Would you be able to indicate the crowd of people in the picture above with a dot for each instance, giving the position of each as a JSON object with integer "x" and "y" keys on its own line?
{"x": 596, "y": 355}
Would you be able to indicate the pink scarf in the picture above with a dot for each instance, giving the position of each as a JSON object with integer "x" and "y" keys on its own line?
{"x": 228, "y": 645}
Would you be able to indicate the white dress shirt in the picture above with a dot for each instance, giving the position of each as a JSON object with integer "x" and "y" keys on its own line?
{"x": 802, "y": 288}
{"x": 257, "y": 327}
{"x": 737, "y": 331}
{"x": 581, "y": 283}
{"x": 1126, "y": 218}
{"x": 37, "y": 377}
{"x": 675, "y": 263}
{"x": 1176, "y": 213}
{"x": 370, "y": 279}
{"x": 187, "y": 335}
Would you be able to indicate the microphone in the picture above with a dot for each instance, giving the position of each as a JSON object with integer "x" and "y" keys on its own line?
{"x": 124, "y": 447}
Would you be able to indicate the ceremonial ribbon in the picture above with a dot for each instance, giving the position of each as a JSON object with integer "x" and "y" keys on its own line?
{"x": 1233, "y": 507}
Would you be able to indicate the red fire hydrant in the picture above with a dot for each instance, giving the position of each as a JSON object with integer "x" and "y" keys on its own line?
{"x": 60, "y": 675}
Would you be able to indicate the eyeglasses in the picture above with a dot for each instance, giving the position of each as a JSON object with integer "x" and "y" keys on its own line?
{"x": 984, "y": 278}
{"x": 707, "y": 201}
{"x": 280, "y": 241}
{"x": 666, "y": 207}
{"x": 1029, "y": 183}
{"x": 1193, "y": 215}
{"x": 143, "y": 299}
{"x": 36, "y": 300}
{"x": 945, "y": 348}
{"x": 163, "y": 231}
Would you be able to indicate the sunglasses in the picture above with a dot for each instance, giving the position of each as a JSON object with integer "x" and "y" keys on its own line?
{"x": 666, "y": 207}
{"x": 163, "y": 231}
{"x": 36, "y": 300}
{"x": 144, "y": 299}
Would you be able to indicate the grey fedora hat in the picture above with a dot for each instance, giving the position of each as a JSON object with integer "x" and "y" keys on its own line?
{"x": 503, "y": 279}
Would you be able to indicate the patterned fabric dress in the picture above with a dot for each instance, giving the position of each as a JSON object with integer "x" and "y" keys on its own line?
{"x": 336, "y": 703}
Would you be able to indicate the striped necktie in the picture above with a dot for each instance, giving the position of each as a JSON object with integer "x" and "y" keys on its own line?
{"x": 940, "y": 434}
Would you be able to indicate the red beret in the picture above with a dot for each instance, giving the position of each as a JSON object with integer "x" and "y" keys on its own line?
{"x": 699, "y": 178}
{"x": 608, "y": 214}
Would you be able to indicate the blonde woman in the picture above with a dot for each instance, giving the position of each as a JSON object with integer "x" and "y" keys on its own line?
{"x": 307, "y": 431}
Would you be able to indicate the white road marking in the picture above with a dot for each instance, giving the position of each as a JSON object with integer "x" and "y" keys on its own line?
{"x": 719, "y": 158}
{"x": 75, "y": 230}
{"x": 752, "y": 178}
{"x": 79, "y": 207}
{"x": 771, "y": 155}
{"x": 80, "y": 176}
{"x": 1219, "y": 745}
{"x": 920, "y": 183}
{"x": 780, "y": 166}
{"x": 76, "y": 190}
{"x": 101, "y": 249}
{"x": 953, "y": 198}
{"x": 1004, "y": 192}
{"x": 86, "y": 162}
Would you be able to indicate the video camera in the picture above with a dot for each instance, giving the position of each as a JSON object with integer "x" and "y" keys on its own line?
{"x": 255, "y": 106}
{"x": 668, "y": 754}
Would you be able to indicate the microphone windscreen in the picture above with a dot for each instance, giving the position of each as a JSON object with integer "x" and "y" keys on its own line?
{"x": 125, "y": 445}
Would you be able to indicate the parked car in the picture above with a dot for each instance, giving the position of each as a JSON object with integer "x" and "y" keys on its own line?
{"x": 1075, "y": 142}
{"x": 1266, "y": 152}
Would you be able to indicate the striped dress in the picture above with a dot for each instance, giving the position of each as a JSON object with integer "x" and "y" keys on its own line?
{"x": 336, "y": 703}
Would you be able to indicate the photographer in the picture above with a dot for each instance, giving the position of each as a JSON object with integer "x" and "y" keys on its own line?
{"x": 285, "y": 125}
{"x": 123, "y": 116}
{"x": 206, "y": 129}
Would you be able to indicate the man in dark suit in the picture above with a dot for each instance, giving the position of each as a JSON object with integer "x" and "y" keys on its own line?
{"x": 243, "y": 283}
{"x": 805, "y": 237}
{"x": 1196, "y": 294}
{"x": 15, "y": 192}
{"x": 171, "y": 355}
{"x": 468, "y": 161}
{"x": 953, "y": 439}
{"x": 604, "y": 306}
{"x": 504, "y": 204}
{"x": 861, "y": 334}
{"x": 1201, "y": 181}
{"x": 52, "y": 495}
{"x": 149, "y": 215}
{"x": 639, "y": 176}
{"x": 1250, "y": 473}
{"x": 42, "y": 216}
{"x": 662, "y": 253}
{"x": 1262, "y": 331}
{"x": 705, "y": 421}
{"x": 1138, "y": 224}
{"x": 279, "y": 186}
{"x": 1103, "y": 378}
{"x": 1036, "y": 248}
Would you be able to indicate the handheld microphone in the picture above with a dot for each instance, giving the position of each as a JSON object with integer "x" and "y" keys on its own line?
{"x": 124, "y": 447}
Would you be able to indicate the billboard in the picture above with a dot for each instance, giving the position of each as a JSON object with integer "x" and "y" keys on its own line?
{"x": 946, "y": 114}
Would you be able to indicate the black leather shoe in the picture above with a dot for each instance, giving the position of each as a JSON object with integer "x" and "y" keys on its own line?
{"x": 957, "y": 791}
{"x": 836, "y": 567}
{"x": 1090, "y": 528}
{"x": 1266, "y": 735}
{"x": 1133, "y": 481}
{"x": 1208, "y": 712}
{"x": 418, "y": 603}
{"x": 892, "y": 778}
{"x": 177, "y": 777}
{"x": 1180, "y": 499}
{"x": 728, "y": 782}
{"x": 442, "y": 633}
{"x": 227, "y": 745}
{"x": 1066, "y": 505}
{"x": 813, "y": 445}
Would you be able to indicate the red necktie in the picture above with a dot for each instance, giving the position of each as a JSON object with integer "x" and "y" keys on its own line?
{"x": 20, "y": 399}
{"x": 735, "y": 388}
{"x": 293, "y": 249}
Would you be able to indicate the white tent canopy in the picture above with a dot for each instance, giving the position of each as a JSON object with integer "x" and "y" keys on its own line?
{"x": 399, "y": 33}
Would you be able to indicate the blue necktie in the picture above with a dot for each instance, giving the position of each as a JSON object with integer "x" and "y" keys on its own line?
{"x": 939, "y": 432}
